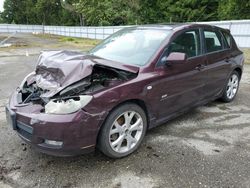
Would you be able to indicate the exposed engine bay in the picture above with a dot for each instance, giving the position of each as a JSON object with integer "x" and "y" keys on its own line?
{"x": 102, "y": 77}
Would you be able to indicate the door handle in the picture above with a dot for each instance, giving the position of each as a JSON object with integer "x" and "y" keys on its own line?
{"x": 200, "y": 67}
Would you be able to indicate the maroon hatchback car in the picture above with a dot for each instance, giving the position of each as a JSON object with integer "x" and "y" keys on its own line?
{"x": 136, "y": 79}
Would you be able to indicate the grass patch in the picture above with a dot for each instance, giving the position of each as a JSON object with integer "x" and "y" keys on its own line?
{"x": 75, "y": 40}
{"x": 47, "y": 36}
{"x": 81, "y": 43}
{"x": 246, "y": 54}
{"x": 85, "y": 41}
{"x": 76, "y": 43}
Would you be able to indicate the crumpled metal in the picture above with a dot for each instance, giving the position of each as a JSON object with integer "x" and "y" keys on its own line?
{"x": 56, "y": 70}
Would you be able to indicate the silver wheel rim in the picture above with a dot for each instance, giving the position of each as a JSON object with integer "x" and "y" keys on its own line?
{"x": 126, "y": 131}
{"x": 232, "y": 86}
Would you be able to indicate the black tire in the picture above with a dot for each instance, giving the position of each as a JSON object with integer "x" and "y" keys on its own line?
{"x": 225, "y": 97}
{"x": 104, "y": 135}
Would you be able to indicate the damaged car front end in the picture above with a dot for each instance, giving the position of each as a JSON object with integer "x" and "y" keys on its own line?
{"x": 138, "y": 78}
{"x": 50, "y": 108}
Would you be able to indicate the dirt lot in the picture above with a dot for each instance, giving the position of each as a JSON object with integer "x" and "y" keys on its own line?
{"x": 207, "y": 147}
{"x": 23, "y": 44}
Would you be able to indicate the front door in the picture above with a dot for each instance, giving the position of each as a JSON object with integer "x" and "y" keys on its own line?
{"x": 179, "y": 86}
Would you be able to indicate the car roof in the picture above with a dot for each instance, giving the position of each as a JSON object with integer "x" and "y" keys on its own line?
{"x": 177, "y": 26}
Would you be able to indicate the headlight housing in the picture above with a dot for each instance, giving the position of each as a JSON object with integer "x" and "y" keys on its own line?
{"x": 68, "y": 105}
{"x": 25, "y": 79}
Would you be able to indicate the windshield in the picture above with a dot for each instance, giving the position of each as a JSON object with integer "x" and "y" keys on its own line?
{"x": 131, "y": 46}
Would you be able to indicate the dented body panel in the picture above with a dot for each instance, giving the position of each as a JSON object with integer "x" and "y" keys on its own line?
{"x": 58, "y": 69}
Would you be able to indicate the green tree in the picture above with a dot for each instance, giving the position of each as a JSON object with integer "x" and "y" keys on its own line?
{"x": 189, "y": 10}
{"x": 12, "y": 12}
{"x": 1, "y": 19}
{"x": 37, "y": 12}
{"x": 234, "y": 9}
{"x": 70, "y": 8}
{"x": 52, "y": 13}
{"x": 108, "y": 12}
{"x": 121, "y": 12}
{"x": 157, "y": 11}
{"x": 30, "y": 12}
{"x": 148, "y": 13}
{"x": 48, "y": 11}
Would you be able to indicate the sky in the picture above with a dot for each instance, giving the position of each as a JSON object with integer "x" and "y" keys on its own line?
{"x": 1, "y": 5}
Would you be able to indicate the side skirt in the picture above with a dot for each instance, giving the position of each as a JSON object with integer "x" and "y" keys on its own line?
{"x": 161, "y": 121}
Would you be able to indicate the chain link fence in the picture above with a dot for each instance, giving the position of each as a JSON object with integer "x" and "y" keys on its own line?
{"x": 239, "y": 29}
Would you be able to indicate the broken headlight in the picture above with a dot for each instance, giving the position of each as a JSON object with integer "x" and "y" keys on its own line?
{"x": 67, "y": 105}
{"x": 25, "y": 80}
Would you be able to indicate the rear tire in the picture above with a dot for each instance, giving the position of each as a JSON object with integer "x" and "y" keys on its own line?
{"x": 231, "y": 89}
{"x": 123, "y": 131}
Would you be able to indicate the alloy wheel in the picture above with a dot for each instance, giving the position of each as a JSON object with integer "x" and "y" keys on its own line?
{"x": 126, "y": 131}
{"x": 232, "y": 86}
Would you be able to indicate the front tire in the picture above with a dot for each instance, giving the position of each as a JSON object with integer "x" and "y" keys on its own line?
{"x": 231, "y": 88}
{"x": 123, "y": 131}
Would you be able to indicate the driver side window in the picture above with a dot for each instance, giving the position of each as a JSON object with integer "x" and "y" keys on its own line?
{"x": 188, "y": 43}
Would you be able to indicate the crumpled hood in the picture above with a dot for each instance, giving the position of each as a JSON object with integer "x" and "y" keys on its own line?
{"x": 58, "y": 69}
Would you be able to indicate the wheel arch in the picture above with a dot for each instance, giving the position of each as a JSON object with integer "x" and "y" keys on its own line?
{"x": 138, "y": 102}
{"x": 239, "y": 71}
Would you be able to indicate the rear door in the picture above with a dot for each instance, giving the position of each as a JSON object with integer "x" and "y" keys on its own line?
{"x": 218, "y": 61}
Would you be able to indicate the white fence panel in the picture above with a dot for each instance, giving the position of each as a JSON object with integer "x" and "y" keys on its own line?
{"x": 12, "y": 28}
{"x": 239, "y": 29}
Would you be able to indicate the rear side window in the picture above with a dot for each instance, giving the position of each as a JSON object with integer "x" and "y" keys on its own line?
{"x": 228, "y": 39}
{"x": 188, "y": 42}
{"x": 212, "y": 41}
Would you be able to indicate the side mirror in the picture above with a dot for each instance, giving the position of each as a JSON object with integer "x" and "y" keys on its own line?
{"x": 174, "y": 58}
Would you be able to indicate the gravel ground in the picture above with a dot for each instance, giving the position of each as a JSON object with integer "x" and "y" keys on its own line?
{"x": 27, "y": 44}
{"x": 207, "y": 147}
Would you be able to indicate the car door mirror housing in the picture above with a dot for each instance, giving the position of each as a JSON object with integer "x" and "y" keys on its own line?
{"x": 174, "y": 58}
